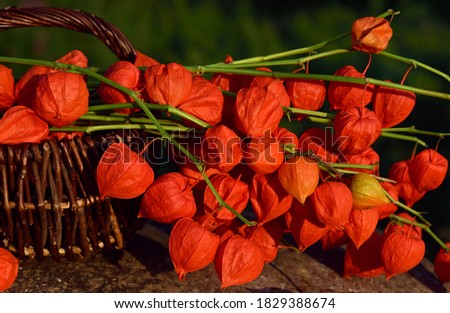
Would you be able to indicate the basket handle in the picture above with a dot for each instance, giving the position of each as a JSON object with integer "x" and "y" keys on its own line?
{"x": 77, "y": 20}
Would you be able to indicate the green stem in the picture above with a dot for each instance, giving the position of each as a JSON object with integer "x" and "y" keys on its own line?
{"x": 403, "y": 137}
{"x": 157, "y": 107}
{"x": 326, "y": 77}
{"x": 303, "y": 50}
{"x": 415, "y": 64}
{"x": 413, "y": 130}
{"x": 91, "y": 116}
{"x": 407, "y": 208}
{"x": 298, "y": 62}
{"x": 351, "y": 165}
{"x": 95, "y": 128}
{"x": 424, "y": 227}
{"x": 292, "y": 110}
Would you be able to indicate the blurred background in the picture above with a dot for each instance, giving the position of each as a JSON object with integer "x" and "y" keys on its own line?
{"x": 202, "y": 32}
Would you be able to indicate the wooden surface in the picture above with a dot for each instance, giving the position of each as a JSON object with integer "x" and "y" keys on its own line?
{"x": 144, "y": 266}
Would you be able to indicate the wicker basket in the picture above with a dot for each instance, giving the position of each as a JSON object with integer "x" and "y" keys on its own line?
{"x": 49, "y": 203}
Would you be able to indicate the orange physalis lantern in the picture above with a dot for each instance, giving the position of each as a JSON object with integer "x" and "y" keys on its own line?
{"x": 6, "y": 88}
{"x": 238, "y": 261}
{"x": 21, "y": 125}
{"x": 399, "y": 172}
{"x": 299, "y": 177}
{"x": 361, "y": 225}
{"x": 371, "y": 34}
{"x": 332, "y": 203}
{"x": 168, "y": 199}
{"x": 205, "y": 101}
{"x": 306, "y": 94}
{"x": 356, "y": 129}
{"x": 442, "y": 264}
{"x": 26, "y": 85}
{"x": 304, "y": 225}
{"x": 122, "y": 173}
{"x": 257, "y": 110}
{"x": 124, "y": 73}
{"x": 168, "y": 84}
{"x": 191, "y": 246}
{"x": 61, "y": 98}
{"x": 364, "y": 261}
{"x": 392, "y": 106}
{"x": 263, "y": 155}
{"x": 268, "y": 198}
{"x": 9, "y": 267}
{"x": 401, "y": 250}
{"x": 233, "y": 191}
{"x": 221, "y": 148}
{"x": 427, "y": 170}
{"x": 343, "y": 95}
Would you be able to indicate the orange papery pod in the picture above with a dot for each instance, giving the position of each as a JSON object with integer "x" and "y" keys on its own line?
{"x": 401, "y": 251}
{"x": 266, "y": 237}
{"x": 257, "y": 110}
{"x": 332, "y": 203}
{"x": 233, "y": 191}
{"x": 268, "y": 198}
{"x": 274, "y": 85}
{"x": 168, "y": 83}
{"x": 7, "y": 97}
{"x": 26, "y": 85}
{"x": 371, "y": 34}
{"x": 299, "y": 177}
{"x": 427, "y": 170}
{"x": 191, "y": 246}
{"x": 304, "y": 226}
{"x": 188, "y": 168}
{"x": 264, "y": 155}
{"x": 221, "y": 148}
{"x": 399, "y": 172}
{"x": 238, "y": 261}
{"x": 9, "y": 268}
{"x": 392, "y": 106}
{"x": 342, "y": 95}
{"x": 367, "y": 192}
{"x": 74, "y": 57}
{"x": 124, "y": 73}
{"x": 361, "y": 225}
{"x": 364, "y": 261}
{"x": 367, "y": 157}
{"x": 168, "y": 199}
{"x": 227, "y": 81}
{"x": 356, "y": 129}
{"x": 399, "y": 226}
{"x": 21, "y": 125}
{"x": 143, "y": 60}
{"x": 389, "y": 208}
{"x": 61, "y": 98}
{"x": 334, "y": 237}
{"x": 315, "y": 140}
{"x": 64, "y": 135}
{"x": 205, "y": 101}
{"x": 229, "y": 229}
{"x": 288, "y": 140}
{"x": 306, "y": 94}
{"x": 122, "y": 173}
{"x": 442, "y": 265}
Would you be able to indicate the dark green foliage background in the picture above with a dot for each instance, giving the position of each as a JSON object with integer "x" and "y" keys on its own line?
{"x": 202, "y": 32}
